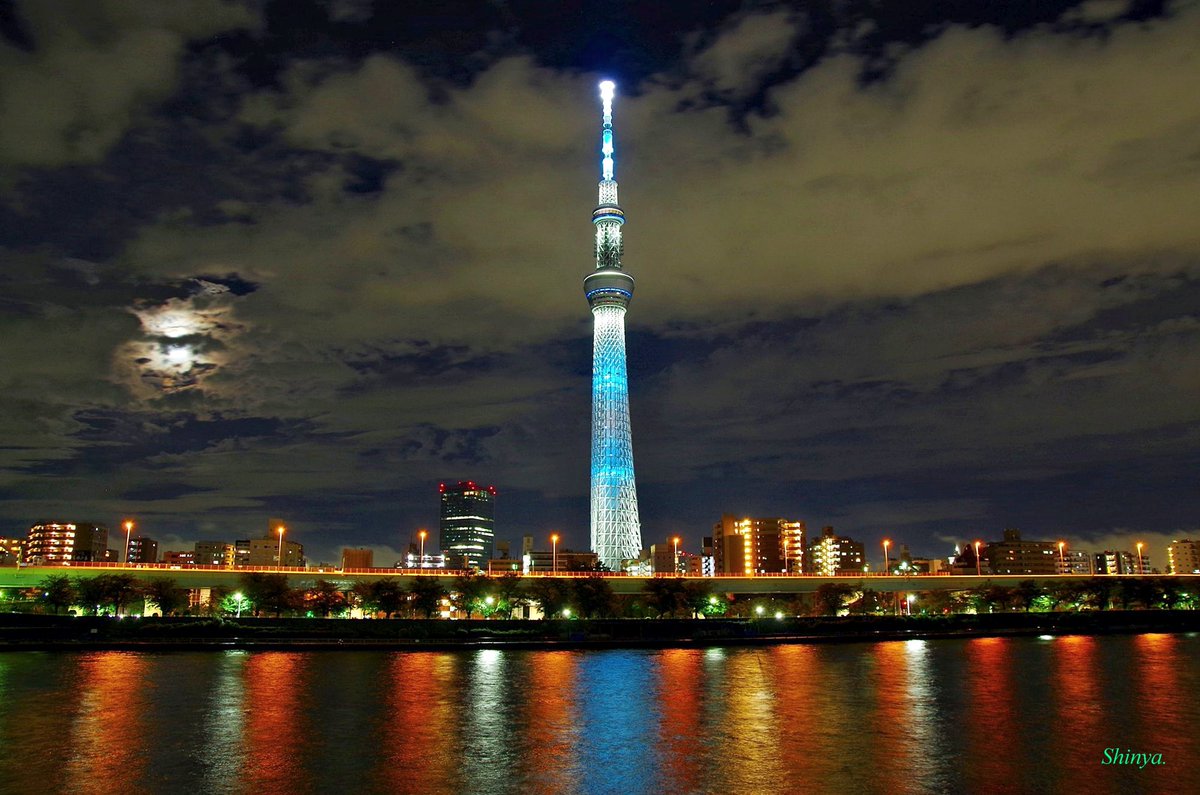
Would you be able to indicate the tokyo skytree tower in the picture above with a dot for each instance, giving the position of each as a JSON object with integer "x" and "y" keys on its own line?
{"x": 616, "y": 530}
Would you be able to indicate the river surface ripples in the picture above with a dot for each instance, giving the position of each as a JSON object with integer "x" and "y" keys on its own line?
{"x": 957, "y": 716}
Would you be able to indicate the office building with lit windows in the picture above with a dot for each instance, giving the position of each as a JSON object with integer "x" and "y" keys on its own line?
{"x": 752, "y": 546}
{"x": 833, "y": 555}
{"x": 1016, "y": 556}
{"x": 1183, "y": 557}
{"x": 1075, "y": 562}
{"x": 468, "y": 524}
{"x": 1117, "y": 562}
{"x": 264, "y": 552}
{"x": 215, "y": 553}
{"x": 142, "y": 550}
{"x": 62, "y": 543}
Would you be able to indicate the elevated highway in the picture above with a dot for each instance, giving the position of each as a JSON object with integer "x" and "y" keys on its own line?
{"x": 207, "y": 577}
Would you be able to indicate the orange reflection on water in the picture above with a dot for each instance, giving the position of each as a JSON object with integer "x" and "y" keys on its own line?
{"x": 1165, "y": 711}
{"x": 276, "y": 737}
{"x": 1079, "y": 717}
{"x": 992, "y": 727}
{"x": 420, "y": 740}
{"x": 895, "y": 761}
{"x": 750, "y": 710}
{"x": 802, "y": 712}
{"x": 108, "y": 734}
{"x": 548, "y": 759}
{"x": 679, "y": 707}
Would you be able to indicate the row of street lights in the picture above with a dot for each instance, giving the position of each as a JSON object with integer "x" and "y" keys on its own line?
{"x": 129, "y": 524}
{"x": 1062, "y": 559}
{"x": 422, "y": 533}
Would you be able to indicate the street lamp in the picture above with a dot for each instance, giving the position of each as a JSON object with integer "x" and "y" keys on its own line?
{"x": 421, "y": 535}
{"x": 675, "y": 541}
{"x": 1062, "y": 561}
{"x": 128, "y": 530}
{"x": 238, "y": 599}
{"x": 1141, "y": 568}
{"x": 279, "y": 558}
{"x": 554, "y": 553}
{"x": 978, "y": 563}
{"x": 886, "y": 561}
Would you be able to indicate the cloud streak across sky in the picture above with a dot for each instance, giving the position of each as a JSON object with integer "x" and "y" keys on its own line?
{"x": 933, "y": 299}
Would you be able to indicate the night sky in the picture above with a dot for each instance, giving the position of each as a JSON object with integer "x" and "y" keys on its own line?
{"x": 923, "y": 269}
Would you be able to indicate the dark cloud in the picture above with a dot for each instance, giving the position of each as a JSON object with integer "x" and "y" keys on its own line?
{"x": 114, "y": 439}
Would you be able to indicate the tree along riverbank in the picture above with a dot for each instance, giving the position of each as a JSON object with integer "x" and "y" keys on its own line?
{"x": 46, "y": 632}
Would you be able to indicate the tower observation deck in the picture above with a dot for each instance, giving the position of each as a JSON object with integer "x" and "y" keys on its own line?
{"x": 616, "y": 530}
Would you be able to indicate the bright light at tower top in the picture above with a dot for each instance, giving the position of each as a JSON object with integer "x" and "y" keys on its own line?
{"x": 608, "y": 90}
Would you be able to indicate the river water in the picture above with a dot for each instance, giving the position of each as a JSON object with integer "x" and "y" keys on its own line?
{"x": 960, "y": 716}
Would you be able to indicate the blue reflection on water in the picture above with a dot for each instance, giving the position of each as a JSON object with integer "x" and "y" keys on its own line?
{"x": 616, "y": 751}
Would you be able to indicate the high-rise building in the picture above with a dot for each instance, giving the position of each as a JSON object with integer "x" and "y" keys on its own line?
{"x": 1075, "y": 562}
{"x": 833, "y": 555}
{"x": 752, "y": 546}
{"x": 1117, "y": 562}
{"x": 59, "y": 543}
{"x": 264, "y": 552}
{"x": 1183, "y": 557}
{"x": 616, "y": 530}
{"x": 142, "y": 550}
{"x": 1014, "y": 556}
{"x": 216, "y": 553}
{"x": 468, "y": 524}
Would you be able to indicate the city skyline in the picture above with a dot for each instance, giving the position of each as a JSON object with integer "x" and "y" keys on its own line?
{"x": 923, "y": 277}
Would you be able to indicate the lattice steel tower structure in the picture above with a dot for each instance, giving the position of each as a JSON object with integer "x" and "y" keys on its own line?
{"x": 616, "y": 530}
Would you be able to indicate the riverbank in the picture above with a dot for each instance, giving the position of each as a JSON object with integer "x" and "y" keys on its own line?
{"x": 41, "y": 632}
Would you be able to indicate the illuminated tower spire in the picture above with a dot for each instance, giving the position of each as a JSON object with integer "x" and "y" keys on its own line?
{"x": 616, "y": 530}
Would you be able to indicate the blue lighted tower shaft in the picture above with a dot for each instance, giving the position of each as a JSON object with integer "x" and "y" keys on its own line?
{"x": 616, "y": 530}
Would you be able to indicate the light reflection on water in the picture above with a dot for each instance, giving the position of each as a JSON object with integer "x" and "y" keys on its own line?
{"x": 984, "y": 715}
{"x": 221, "y": 751}
{"x": 102, "y": 743}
